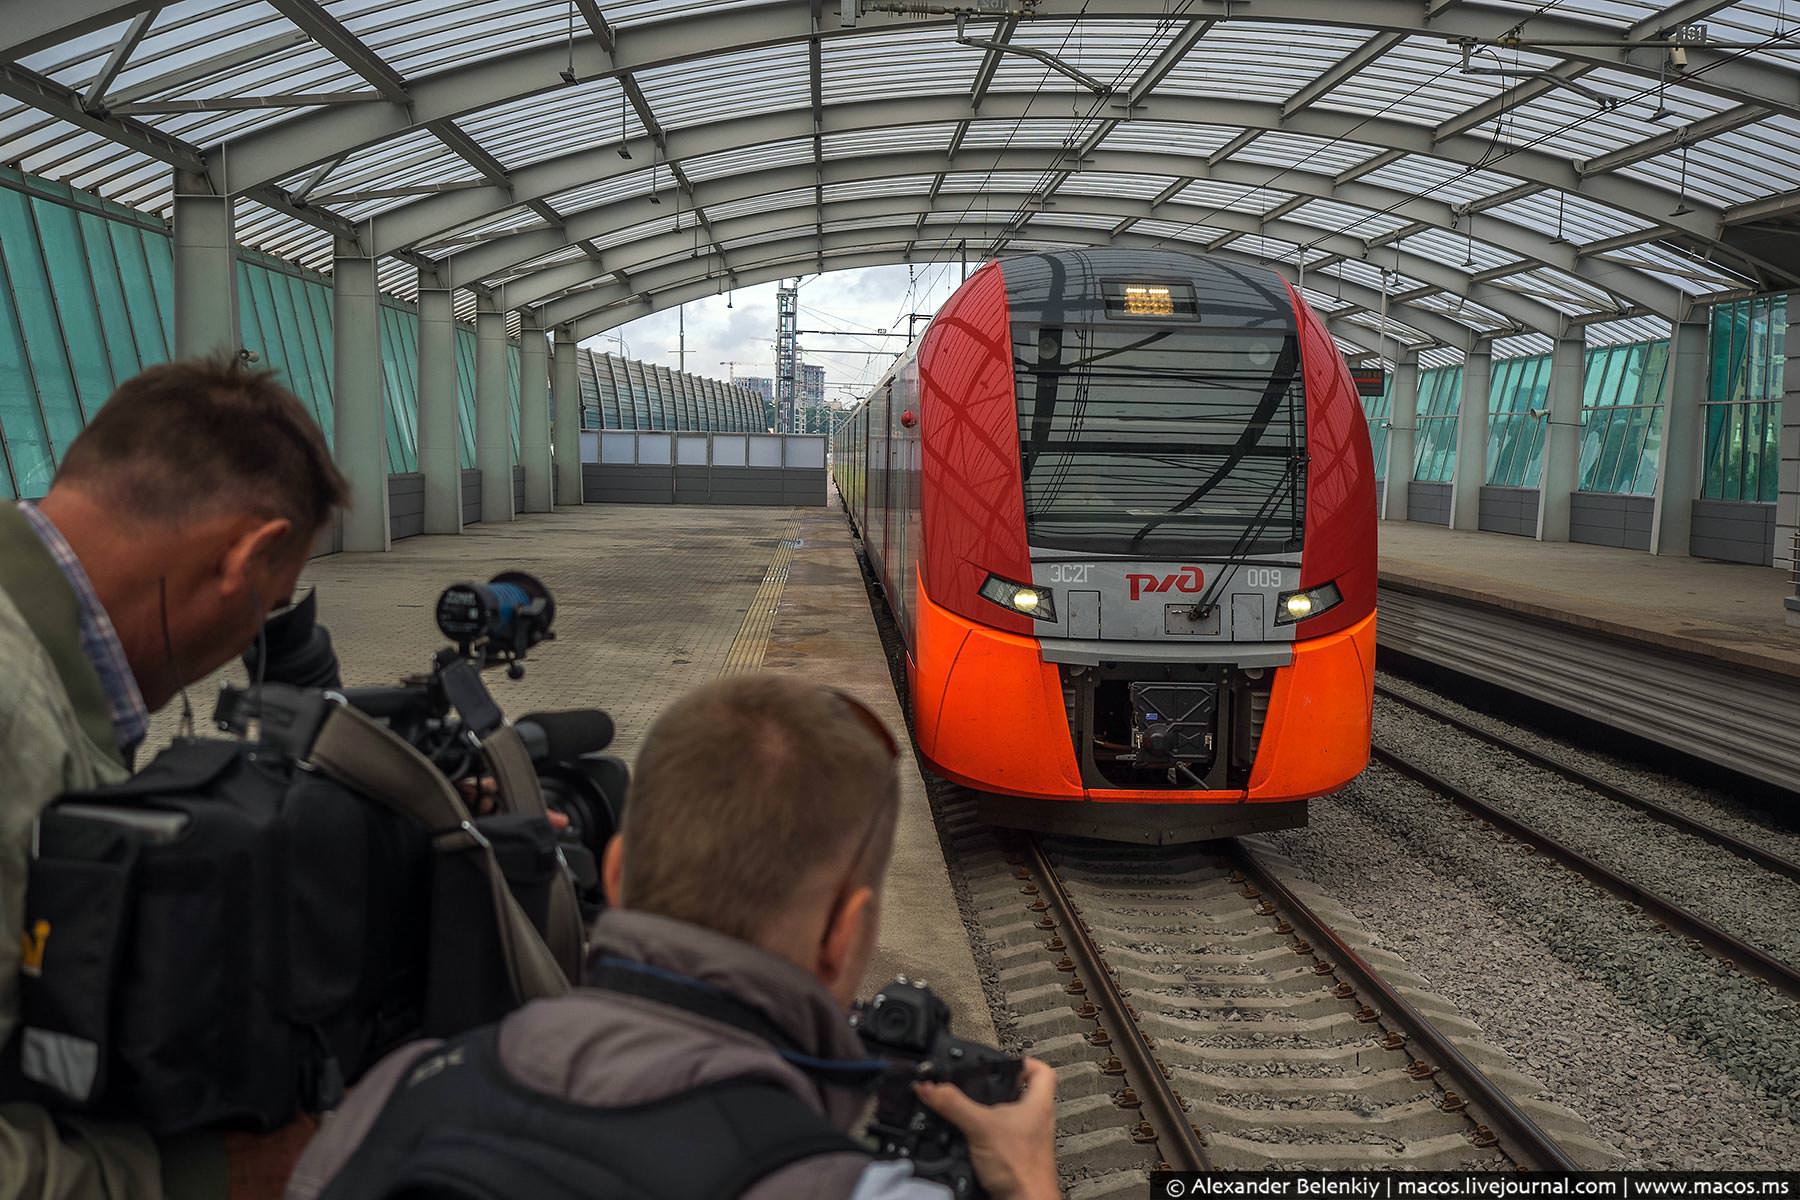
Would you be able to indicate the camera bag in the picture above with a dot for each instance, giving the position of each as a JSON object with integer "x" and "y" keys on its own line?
{"x": 227, "y": 937}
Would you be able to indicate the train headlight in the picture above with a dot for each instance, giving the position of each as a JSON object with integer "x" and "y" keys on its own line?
{"x": 1022, "y": 598}
{"x": 1297, "y": 606}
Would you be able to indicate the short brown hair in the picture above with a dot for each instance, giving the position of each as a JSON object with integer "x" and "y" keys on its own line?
{"x": 742, "y": 788}
{"x": 187, "y": 436}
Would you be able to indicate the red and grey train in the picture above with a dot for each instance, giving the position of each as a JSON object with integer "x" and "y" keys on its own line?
{"x": 1122, "y": 506}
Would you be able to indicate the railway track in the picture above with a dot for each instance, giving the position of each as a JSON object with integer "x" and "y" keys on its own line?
{"x": 1706, "y": 934}
{"x": 1203, "y": 1014}
{"x": 1760, "y": 855}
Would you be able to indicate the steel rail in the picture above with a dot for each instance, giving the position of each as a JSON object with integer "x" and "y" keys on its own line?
{"x": 1521, "y": 1137}
{"x": 1763, "y": 858}
{"x": 1727, "y": 946}
{"x": 1177, "y": 1140}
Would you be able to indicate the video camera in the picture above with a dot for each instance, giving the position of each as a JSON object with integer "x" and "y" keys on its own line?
{"x": 232, "y": 934}
{"x": 909, "y": 1025}
{"x": 447, "y": 712}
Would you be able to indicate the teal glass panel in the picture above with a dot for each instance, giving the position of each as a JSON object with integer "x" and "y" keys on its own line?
{"x": 21, "y": 425}
{"x": 316, "y": 363}
{"x": 405, "y": 326}
{"x": 599, "y": 404}
{"x": 512, "y": 397}
{"x": 273, "y": 350}
{"x": 1518, "y": 389}
{"x": 159, "y": 255}
{"x": 1375, "y": 410}
{"x": 35, "y": 315}
{"x": 140, "y": 293}
{"x": 103, "y": 271}
{"x": 392, "y": 400}
{"x": 76, "y": 308}
{"x": 1440, "y": 393}
{"x": 465, "y": 391}
{"x": 1747, "y": 356}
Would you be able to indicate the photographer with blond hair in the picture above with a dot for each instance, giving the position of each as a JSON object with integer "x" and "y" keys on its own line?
{"x": 714, "y": 1058}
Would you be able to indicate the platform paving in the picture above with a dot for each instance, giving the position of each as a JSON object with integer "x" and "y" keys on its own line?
{"x": 1725, "y": 611}
{"x": 651, "y": 601}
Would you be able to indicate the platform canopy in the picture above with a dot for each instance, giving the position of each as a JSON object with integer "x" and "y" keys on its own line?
{"x": 1432, "y": 173}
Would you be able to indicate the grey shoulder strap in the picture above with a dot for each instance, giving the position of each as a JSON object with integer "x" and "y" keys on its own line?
{"x": 358, "y": 753}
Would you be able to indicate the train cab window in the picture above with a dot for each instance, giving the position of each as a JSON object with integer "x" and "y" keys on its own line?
{"x": 1160, "y": 439}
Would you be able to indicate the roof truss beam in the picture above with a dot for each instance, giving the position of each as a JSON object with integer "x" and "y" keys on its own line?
{"x": 1167, "y": 61}
{"x": 345, "y": 46}
{"x": 93, "y": 99}
{"x": 1673, "y": 139}
{"x": 1340, "y": 71}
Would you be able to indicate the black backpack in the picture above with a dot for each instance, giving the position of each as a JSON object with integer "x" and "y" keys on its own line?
{"x": 228, "y": 937}
{"x": 457, "y": 1127}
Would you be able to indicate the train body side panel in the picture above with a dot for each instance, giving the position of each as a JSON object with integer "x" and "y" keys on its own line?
{"x": 1339, "y": 546}
{"x": 974, "y": 510}
{"x": 987, "y": 709}
{"x": 1316, "y": 736}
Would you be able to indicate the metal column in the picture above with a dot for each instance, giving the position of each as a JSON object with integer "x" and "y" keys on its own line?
{"x": 1561, "y": 473}
{"x": 1678, "y": 455}
{"x": 1471, "y": 440}
{"x": 360, "y": 424}
{"x": 534, "y": 411}
{"x": 206, "y": 305}
{"x": 440, "y": 412}
{"x": 1403, "y": 420}
{"x": 493, "y": 415}
{"x": 568, "y": 417}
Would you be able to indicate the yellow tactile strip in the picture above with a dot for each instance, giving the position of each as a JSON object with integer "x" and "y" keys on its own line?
{"x": 747, "y": 649}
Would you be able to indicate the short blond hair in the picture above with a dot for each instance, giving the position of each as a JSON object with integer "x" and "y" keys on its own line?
{"x": 742, "y": 789}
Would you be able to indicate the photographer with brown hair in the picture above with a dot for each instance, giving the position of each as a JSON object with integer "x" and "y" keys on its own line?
{"x": 176, "y": 522}
{"x": 714, "y": 1058}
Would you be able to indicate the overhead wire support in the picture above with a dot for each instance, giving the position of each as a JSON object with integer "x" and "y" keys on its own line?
{"x": 1044, "y": 56}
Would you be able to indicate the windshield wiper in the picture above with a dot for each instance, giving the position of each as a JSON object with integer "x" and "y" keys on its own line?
{"x": 1251, "y": 534}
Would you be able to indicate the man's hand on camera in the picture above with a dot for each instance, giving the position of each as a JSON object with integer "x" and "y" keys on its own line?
{"x": 1012, "y": 1146}
{"x": 482, "y": 795}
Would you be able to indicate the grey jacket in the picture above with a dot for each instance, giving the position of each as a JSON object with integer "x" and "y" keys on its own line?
{"x": 608, "y": 1050}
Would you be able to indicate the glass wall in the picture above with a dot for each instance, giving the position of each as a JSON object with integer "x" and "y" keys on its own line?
{"x": 1746, "y": 355}
{"x": 1519, "y": 389}
{"x": 1440, "y": 393}
{"x": 1621, "y": 419}
{"x": 1376, "y": 409}
{"x": 86, "y": 302}
{"x": 66, "y": 340}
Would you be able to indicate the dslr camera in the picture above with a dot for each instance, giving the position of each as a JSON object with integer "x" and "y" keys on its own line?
{"x": 909, "y": 1025}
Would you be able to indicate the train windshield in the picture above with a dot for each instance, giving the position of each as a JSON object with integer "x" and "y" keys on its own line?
{"x": 1167, "y": 441}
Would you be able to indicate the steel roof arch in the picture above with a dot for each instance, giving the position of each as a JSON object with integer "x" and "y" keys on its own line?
{"x": 575, "y": 307}
{"x": 541, "y": 287}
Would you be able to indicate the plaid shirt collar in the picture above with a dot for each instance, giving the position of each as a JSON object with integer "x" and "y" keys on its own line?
{"x": 99, "y": 640}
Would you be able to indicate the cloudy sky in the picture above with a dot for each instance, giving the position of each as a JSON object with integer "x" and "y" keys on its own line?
{"x": 858, "y": 301}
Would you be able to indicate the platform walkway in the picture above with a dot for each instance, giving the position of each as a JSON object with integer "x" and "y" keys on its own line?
{"x": 652, "y": 600}
{"x": 1687, "y": 652}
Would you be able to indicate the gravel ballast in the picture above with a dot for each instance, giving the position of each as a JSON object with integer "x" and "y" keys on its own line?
{"x": 1678, "y": 1061}
{"x": 1743, "y": 898}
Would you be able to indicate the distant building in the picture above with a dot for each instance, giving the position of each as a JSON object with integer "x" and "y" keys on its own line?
{"x": 812, "y": 386}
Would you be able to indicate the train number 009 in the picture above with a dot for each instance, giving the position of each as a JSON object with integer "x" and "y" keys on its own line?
{"x": 1262, "y": 577}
